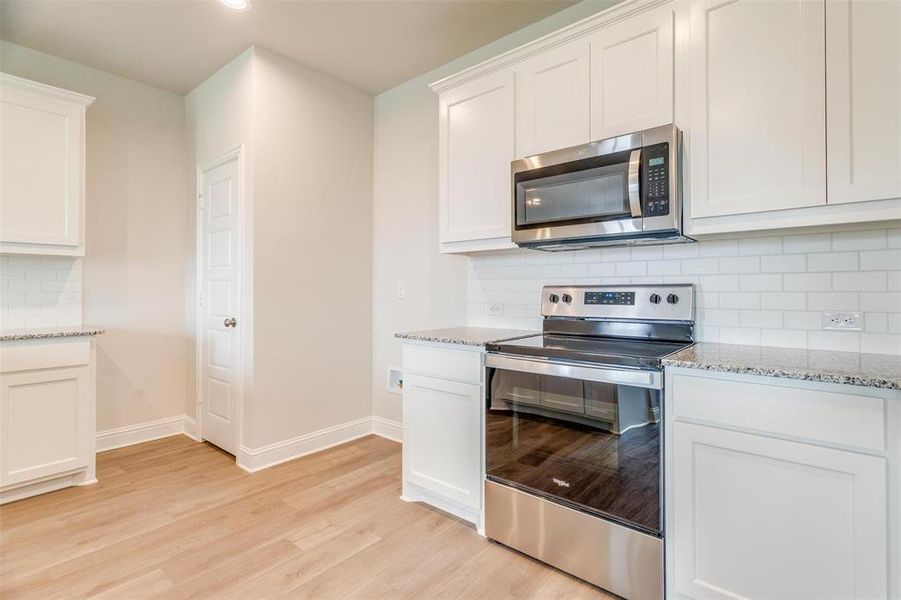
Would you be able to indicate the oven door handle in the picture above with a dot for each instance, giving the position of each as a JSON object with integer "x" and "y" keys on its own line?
{"x": 637, "y": 378}
{"x": 635, "y": 183}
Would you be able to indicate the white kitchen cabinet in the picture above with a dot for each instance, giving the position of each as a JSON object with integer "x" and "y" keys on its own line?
{"x": 632, "y": 74}
{"x": 552, "y": 99}
{"x": 475, "y": 151}
{"x": 863, "y": 87}
{"x": 443, "y": 406}
{"x": 780, "y": 488}
{"x": 758, "y": 127}
{"x": 46, "y": 416}
{"x": 41, "y": 168}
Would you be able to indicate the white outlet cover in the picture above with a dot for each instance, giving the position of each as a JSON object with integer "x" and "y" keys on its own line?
{"x": 842, "y": 321}
{"x": 495, "y": 309}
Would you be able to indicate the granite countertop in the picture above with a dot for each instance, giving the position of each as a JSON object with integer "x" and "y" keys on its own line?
{"x": 871, "y": 370}
{"x": 37, "y": 333}
{"x": 467, "y": 336}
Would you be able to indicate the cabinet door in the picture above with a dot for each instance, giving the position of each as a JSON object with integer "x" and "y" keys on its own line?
{"x": 442, "y": 438}
{"x": 41, "y": 165}
{"x": 44, "y": 423}
{"x": 632, "y": 75}
{"x": 863, "y": 84}
{"x": 552, "y": 99}
{"x": 757, "y": 106}
{"x": 476, "y": 148}
{"x": 757, "y": 517}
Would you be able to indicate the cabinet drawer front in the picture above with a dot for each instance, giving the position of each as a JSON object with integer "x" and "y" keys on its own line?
{"x": 826, "y": 416}
{"x": 462, "y": 365}
{"x": 44, "y": 354}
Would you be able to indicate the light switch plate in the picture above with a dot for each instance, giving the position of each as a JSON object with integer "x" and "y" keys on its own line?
{"x": 842, "y": 321}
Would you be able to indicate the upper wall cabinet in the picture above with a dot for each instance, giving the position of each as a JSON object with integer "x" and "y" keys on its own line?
{"x": 41, "y": 168}
{"x": 758, "y": 127}
{"x": 476, "y": 148}
{"x": 632, "y": 74}
{"x": 552, "y": 99}
{"x": 863, "y": 86}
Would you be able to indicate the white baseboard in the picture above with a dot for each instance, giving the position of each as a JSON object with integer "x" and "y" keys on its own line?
{"x": 144, "y": 432}
{"x": 256, "y": 459}
{"x": 388, "y": 429}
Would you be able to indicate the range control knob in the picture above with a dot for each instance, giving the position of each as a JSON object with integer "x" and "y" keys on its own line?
{"x": 567, "y": 298}
{"x": 672, "y": 299}
{"x": 655, "y": 298}
{"x": 554, "y": 298}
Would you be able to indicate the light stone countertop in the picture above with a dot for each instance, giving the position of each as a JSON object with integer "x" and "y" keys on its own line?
{"x": 852, "y": 368}
{"x": 38, "y": 333}
{"x": 466, "y": 336}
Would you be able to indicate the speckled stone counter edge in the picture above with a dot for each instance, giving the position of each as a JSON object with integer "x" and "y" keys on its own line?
{"x": 875, "y": 381}
{"x": 447, "y": 336}
{"x": 16, "y": 335}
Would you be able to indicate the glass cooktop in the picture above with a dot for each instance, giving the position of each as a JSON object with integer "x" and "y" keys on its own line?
{"x": 596, "y": 350}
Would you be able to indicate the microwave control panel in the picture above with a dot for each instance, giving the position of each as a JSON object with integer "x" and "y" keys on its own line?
{"x": 655, "y": 180}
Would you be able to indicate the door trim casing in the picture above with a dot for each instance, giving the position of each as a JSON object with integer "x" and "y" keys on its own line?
{"x": 244, "y": 306}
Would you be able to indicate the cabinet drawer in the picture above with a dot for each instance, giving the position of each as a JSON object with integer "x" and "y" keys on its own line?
{"x": 835, "y": 417}
{"x": 44, "y": 354}
{"x": 461, "y": 365}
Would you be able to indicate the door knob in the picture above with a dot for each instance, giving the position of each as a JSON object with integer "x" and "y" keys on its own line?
{"x": 231, "y": 322}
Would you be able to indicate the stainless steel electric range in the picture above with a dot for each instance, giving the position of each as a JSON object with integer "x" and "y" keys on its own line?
{"x": 573, "y": 433}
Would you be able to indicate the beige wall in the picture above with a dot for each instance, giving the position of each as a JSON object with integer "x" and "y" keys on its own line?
{"x": 405, "y": 208}
{"x": 139, "y": 239}
{"x": 218, "y": 119}
{"x": 307, "y": 309}
{"x": 312, "y": 268}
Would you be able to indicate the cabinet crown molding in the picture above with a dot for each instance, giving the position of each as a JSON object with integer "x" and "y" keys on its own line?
{"x": 582, "y": 28}
{"x": 47, "y": 90}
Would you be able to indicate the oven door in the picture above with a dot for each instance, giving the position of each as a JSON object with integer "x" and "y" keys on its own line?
{"x": 584, "y": 437}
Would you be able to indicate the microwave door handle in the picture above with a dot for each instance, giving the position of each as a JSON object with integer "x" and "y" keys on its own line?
{"x": 635, "y": 183}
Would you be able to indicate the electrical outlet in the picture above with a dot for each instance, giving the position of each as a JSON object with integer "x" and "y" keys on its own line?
{"x": 842, "y": 321}
{"x": 495, "y": 309}
{"x": 401, "y": 290}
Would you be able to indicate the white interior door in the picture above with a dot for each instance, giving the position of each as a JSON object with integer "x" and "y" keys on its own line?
{"x": 219, "y": 305}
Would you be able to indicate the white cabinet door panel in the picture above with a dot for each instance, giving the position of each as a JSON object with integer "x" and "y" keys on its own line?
{"x": 757, "y": 517}
{"x": 632, "y": 75}
{"x": 863, "y": 78}
{"x": 552, "y": 99}
{"x": 44, "y": 423}
{"x": 758, "y": 134}
{"x": 41, "y": 167}
{"x": 476, "y": 148}
{"x": 442, "y": 438}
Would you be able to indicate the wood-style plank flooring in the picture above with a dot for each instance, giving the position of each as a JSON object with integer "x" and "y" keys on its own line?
{"x": 178, "y": 519}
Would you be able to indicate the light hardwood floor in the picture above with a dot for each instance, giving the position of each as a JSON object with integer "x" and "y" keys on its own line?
{"x": 177, "y": 519}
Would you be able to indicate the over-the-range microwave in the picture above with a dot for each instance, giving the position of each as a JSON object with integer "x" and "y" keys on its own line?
{"x": 619, "y": 191}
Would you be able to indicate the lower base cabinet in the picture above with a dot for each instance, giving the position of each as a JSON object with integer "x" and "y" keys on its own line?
{"x": 442, "y": 449}
{"x": 46, "y": 417}
{"x": 756, "y": 514}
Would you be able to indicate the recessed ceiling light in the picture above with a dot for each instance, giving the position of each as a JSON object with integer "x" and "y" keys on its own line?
{"x": 238, "y": 5}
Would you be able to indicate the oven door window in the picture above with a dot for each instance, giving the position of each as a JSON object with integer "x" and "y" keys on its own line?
{"x": 579, "y": 192}
{"x": 592, "y": 446}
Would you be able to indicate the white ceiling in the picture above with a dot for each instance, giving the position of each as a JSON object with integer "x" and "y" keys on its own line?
{"x": 176, "y": 44}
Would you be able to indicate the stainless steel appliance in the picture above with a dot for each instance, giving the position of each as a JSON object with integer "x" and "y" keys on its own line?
{"x": 573, "y": 439}
{"x": 620, "y": 191}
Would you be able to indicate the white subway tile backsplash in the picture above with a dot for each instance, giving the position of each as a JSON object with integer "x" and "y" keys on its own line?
{"x": 769, "y": 290}
{"x": 833, "y": 261}
{"x": 877, "y": 260}
{"x": 860, "y": 282}
{"x": 785, "y": 263}
{"x": 40, "y": 291}
{"x": 859, "y": 240}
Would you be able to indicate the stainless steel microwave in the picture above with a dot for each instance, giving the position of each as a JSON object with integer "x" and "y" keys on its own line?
{"x": 620, "y": 191}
